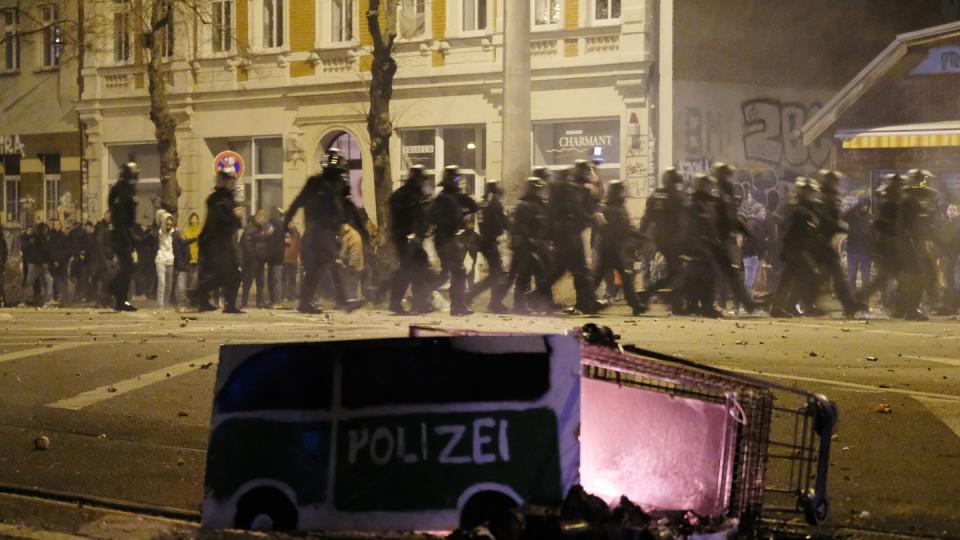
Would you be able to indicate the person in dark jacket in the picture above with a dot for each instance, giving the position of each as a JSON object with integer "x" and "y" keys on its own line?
{"x": 446, "y": 215}
{"x": 253, "y": 257}
{"x": 146, "y": 245}
{"x": 530, "y": 244}
{"x": 3, "y": 269}
{"x": 407, "y": 231}
{"x": 493, "y": 223}
{"x": 949, "y": 255}
{"x": 801, "y": 242}
{"x": 76, "y": 240}
{"x": 219, "y": 252}
{"x": 663, "y": 222}
{"x": 58, "y": 248}
{"x": 828, "y": 259}
{"x": 703, "y": 242}
{"x": 276, "y": 242}
{"x": 618, "y": 244}
{"x": 919, "y": 217}
{"x": 181, "y": 266}
{"x": 755, "y": 244}
{"x": 573, "y": 207}
{"x": 324, "y": 211}
{"x": 859, "y": 243}
{"x": 729, "y": 225}
{"x": 37, "y": 258}
{"x": 887, "y": 250}
{"x": 123, "y": 206}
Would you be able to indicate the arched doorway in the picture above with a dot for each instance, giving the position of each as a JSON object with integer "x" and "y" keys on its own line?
{"x": 350, "y": 148}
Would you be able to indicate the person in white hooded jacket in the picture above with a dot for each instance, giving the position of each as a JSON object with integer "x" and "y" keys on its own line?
{"x": 165, "y": 256}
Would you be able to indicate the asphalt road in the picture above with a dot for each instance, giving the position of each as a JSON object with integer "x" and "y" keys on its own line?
{"x": 125, "y": 399}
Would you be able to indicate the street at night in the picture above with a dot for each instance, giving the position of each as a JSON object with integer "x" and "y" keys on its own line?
{"x": 125, "y": 400}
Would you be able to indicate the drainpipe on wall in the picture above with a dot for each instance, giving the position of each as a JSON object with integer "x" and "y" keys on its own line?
{"x": 81, "y": 127}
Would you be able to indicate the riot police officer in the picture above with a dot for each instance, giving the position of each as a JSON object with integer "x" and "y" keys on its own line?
{"x": 827, "y": 256}
{"x": 446, "y": 215}
{"x": 123, "y": 211}
{"x": 573, "y": 207}
{"x": 800, "y": 245}
{"x": 493, "y": 223}
{"x": 219, "y": 252}
{"x": 618, "y": 243}
{"x": 918, "y": 219}
{"x": 729, "y": 225}
{"x": 530, "y": 244}
{"x": 663, "y": 222}
{"x": 886, "y": 227}
{"x": 408, "y": 229}
{"x": 703, "y": 242}
{"x": 324, "y": 207}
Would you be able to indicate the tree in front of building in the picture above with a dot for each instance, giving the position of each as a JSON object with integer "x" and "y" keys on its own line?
{"x": 381, "y": 20}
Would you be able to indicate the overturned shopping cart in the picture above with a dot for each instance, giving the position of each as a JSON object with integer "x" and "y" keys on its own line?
{"x": 755, "y": 451}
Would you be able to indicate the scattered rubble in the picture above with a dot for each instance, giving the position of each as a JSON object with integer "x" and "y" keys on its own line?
{"x": 883, "y": 408}
{"x": 42, "y": 442}
{"x": 872, "y": 359}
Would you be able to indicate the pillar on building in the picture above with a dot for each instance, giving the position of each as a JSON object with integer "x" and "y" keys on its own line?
{"x": 516, "y": 96}
{"x": 664, "y": 132}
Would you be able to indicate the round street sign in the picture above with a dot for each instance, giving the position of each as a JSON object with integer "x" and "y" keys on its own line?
{"x": 228, "y": 160}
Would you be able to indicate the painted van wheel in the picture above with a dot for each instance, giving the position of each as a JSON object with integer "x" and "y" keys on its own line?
{"x": 484, "y": 507}
{"x": 266, "y": 509}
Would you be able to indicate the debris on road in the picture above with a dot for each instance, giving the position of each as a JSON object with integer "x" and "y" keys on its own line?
{"x": 872, "y": 359}
{"x": 883, "y": 408}
{"x": 111, "y": 389}
{"x": 152, "y": 357}
{"x": 41, "y": 443}
{"x": 742, "y": 342}
{"x": 183, "y": 413}
{"x": 864, "y": 515}
{"x": 814, "y": 354}
{"x": 206, "y": 366}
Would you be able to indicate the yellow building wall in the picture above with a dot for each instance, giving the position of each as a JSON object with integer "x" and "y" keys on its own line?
{"x": 571, "y": 14}
{"x": 303, "y": 29}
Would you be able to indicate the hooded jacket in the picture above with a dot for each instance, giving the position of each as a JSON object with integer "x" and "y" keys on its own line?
{"x": 164, "y": 239}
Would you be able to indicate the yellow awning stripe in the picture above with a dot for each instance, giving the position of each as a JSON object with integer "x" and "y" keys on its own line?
{"x": 861, "y": 142}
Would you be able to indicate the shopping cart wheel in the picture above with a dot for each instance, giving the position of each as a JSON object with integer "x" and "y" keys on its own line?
{"x": 815, "y": 509}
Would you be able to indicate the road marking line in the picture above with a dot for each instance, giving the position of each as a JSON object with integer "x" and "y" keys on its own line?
{"x": 947, "y": 411}
{"x": 103, "y": 393}
{"x": 936, "y": 359}
{"x": 19, "y": 355}
{"x": 14, "y": 531}
{"x": 876, "y": 389}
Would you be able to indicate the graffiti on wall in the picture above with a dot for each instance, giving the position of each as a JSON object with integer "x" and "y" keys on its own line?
{"x": 771, "y": 134}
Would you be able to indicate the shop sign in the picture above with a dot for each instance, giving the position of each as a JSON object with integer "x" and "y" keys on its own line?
{"x": 11, "y": 145}
{"x": 563, "y": 142}
{"x": 421, "y": 149}
{"x": 939, "y": 61}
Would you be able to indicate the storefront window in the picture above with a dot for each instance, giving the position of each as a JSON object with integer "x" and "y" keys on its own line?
{"x": 11, "y": 188}
{"x": 435, "y": 149}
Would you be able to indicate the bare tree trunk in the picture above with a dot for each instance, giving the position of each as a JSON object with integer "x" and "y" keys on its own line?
{"x": 379, "y": 124}
{"x": 165, "y": 126}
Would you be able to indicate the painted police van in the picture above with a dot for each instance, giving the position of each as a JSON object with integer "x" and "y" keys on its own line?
{"x": 382, "y": 434}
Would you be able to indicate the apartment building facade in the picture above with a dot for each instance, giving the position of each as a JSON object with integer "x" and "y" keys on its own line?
{"x": 278, "y": 82}
{"x": 40, "y": 149}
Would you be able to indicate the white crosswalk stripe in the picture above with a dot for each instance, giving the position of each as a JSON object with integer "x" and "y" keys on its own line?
{"x": 103, "y": 393}
{"x": 46, "y": 349}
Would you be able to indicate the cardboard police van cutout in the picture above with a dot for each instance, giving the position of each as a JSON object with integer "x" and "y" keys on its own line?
{"x": 394, "y": 434}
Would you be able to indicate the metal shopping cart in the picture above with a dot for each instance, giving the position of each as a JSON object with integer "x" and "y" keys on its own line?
{"x": 779, "y": 441}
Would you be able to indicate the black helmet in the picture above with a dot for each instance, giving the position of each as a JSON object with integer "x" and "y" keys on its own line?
{"x": 919, "y": 177}
{"x": 224, "y": 175}
{"x": 803, "y": 183}
{"x": 616, "y": 190}
{"x": 542, "y": 173}
{"x": 492, "y": 186}
{"x": 335, "y": 159}
{"x": 829, "y": 180}
{"x": 451, "y": 178}
{"x": 417, "y": 173}
{"x": 704, "y": 183}
{"x": 722, "y": 171}
{"x": 130, "y": 172}
{"x": 534, "y": 186}
{"x": 670, "y": 177}
{"x": 582, "y": 170}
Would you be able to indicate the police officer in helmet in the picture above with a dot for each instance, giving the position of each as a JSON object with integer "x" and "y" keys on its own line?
{"x": 408, "y": 229}
{"x": 122, "y": 203}
{"x": 446, "y": 215}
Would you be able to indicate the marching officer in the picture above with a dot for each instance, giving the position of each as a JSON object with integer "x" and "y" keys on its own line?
{"x": 408, "y": 229}
{"x": 729, "y": 225}
{"x": 886, "y": 227}
{"x": 703, "y": 241}
{"x": 446, "y": 215}
{"x": 800, "y": 245}
{"x": 918, "y": 219}
{"x": 219, "y": 252}
{"x": 663, "y": 221}
{"x": 324, "y": 208}
{"x": 122, "y": 203}
{"x": 618, "y": 244}
{"x": 827, "y": 256}
{"x": 493, "y": 223}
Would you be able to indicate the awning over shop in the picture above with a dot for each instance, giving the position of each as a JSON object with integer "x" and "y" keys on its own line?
{"x": 934, "y": 134}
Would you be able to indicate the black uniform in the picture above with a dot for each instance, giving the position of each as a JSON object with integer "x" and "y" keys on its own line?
{"x": 571, "y": 210}
{"x": 59, "y": 249}
{"x": 123, "y": 207}
{"x": 408, "y": 227}
{"x": 702, "y": 238}
{"x": 219, "y": 252}
{"x": 887, "y": 249}
{"x": 727, "y": 255}
{"x": 493, "y": 223}
{"x": 530, "y": 243}
{"x": 324, "y": 212}
{"x": 828, "y": 259}
{"x": 253, "y": 258}
{"x": 446, "y": 214}
{"x": 801, "y": 242}
{"x": 617, "y": 247}
{"x": 918, "y": 221}
{"x": 663, "y": 220}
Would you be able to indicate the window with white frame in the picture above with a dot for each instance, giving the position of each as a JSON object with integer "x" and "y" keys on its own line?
{"x": 166, "y": 36}
{"x": 412, "y": 18}
{"x": 474, "y": 16}
{"x": 436, "y": 148}
{"x": 341, "y": 21}
{"x": 267, "y": 174}
{"x": 51, "y": 184}
{"x": 546, "y": 13}
{"x": 9, "y": 19}
{"x": 273, "y": 27}
{"x": 221, "y": 36}
{"x": 11, "y": 187}
{"x": 52, "y": 34}
{"x": 606, "y": 10}
{"x": 121, "y": 30}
